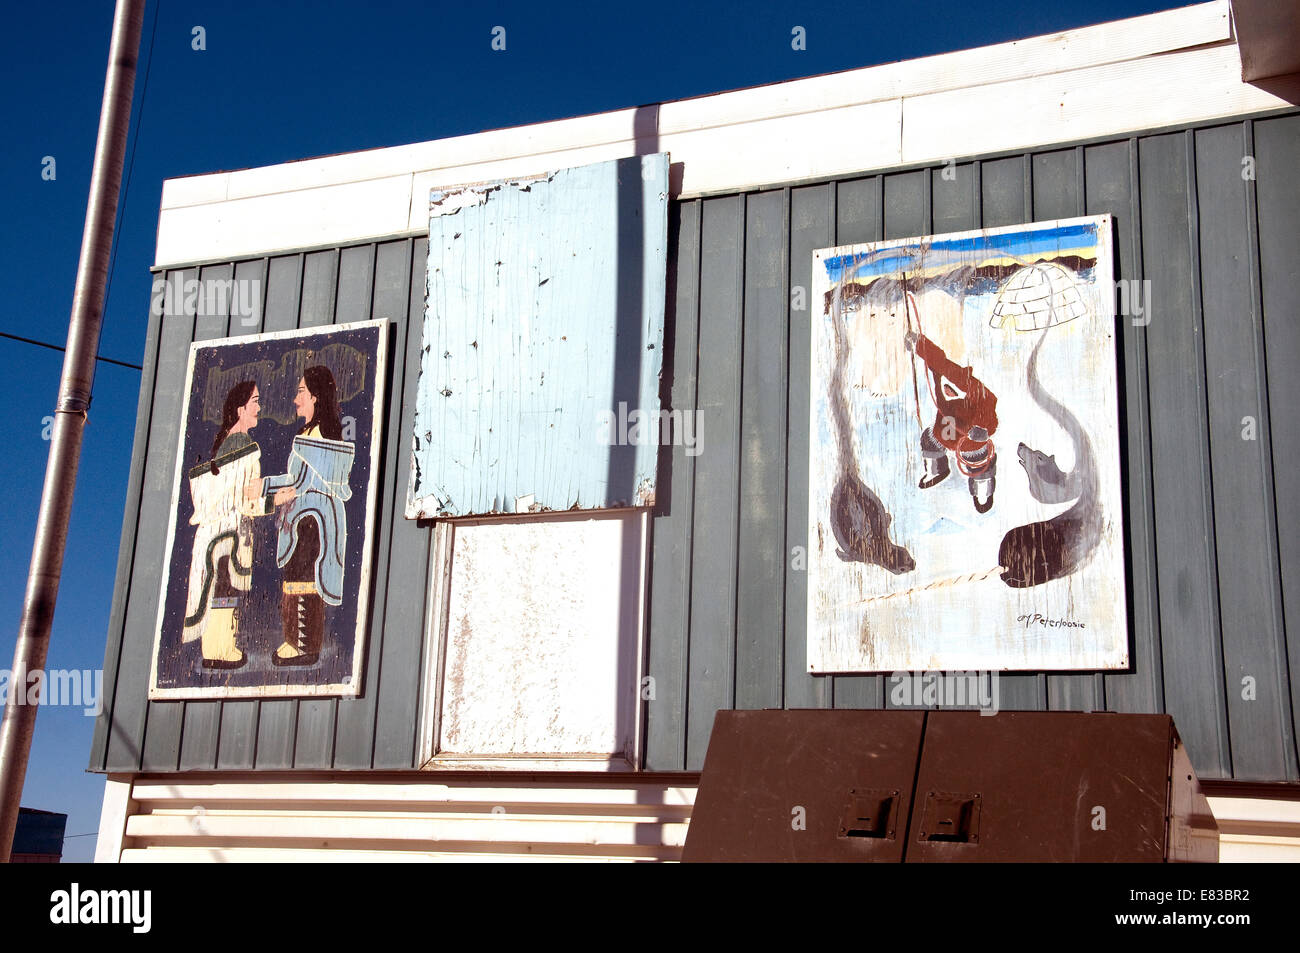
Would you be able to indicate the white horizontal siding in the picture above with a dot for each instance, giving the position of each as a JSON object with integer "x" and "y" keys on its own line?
{"x": 1255, "y": 830}
{"x": 1166, "y": 68}
{"x": 341, "y": 818}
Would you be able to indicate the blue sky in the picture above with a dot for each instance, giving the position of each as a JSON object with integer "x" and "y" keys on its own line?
{"x": 291, "y": 80}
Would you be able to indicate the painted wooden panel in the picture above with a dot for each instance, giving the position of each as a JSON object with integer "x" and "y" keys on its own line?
{"x": 543, "y": 342}
{"x": 1016, "y": 563}
{"x": 220, "y": 622}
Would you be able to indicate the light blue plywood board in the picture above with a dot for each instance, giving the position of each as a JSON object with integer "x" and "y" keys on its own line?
{"x": 543, "y": 343}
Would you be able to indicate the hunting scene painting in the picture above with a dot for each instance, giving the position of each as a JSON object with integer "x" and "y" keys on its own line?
{"x": 267, "y": 572}
{"x": 964, "y": 483}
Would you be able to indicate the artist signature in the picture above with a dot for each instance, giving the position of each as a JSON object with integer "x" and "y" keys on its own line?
{"x": 1030, "y": 618}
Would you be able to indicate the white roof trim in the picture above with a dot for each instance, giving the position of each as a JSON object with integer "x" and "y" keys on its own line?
{"x": 1161, "y": 69}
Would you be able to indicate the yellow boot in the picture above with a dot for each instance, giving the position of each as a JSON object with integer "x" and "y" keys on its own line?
{"x": 219, "y": 649}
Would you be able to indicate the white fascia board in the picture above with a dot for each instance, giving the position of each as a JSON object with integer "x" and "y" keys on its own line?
{"x": 1115, "y": 42}
{"x": 304, "y": 218}
{"x": 1170, "y": 67}
{"x": 1165, "y": 90}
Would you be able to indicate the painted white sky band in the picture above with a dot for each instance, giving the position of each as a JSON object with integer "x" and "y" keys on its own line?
{"x": 1163, "y": 69}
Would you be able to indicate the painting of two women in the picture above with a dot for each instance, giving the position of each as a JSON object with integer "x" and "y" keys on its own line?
{"x": 265, "y": 589}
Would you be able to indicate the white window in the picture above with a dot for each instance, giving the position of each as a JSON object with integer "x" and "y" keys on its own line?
{"x": 537, "y": 642}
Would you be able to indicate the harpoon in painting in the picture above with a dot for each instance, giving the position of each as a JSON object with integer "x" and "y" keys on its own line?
{"x": 964, "y": 482}
{"x": 267, "y": 575}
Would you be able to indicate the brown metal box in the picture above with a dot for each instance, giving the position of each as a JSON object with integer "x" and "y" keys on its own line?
{"x": 806, "y": 785}
{"x": 1016, "y": 786}
{"x": 1058, "y": 786}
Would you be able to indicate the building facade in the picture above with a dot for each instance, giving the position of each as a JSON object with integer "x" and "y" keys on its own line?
{"x": 1164, "y": 122}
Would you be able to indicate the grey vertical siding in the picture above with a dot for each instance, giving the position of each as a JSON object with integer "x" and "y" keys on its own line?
{"x": 1185, "y": 570}
{"x": 711, "y": 671}
{"x": 1249, "y": 586}
{"x": 1213, "y": 559}
{"x": 762, "y": 560}
{"x": 1276, "y": 144}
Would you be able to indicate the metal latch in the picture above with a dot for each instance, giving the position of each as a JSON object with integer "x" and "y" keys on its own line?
{"x": 950, "y": 817}
{"x": 869, "y": 813}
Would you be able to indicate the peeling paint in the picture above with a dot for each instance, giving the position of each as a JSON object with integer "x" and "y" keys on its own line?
{"x": 645, "y": 493}
{"x": 452, "y": 202}
{"x": 520, "y": 415}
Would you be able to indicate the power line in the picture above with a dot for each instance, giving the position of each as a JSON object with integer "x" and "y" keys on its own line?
{"x": 60, "y": 347}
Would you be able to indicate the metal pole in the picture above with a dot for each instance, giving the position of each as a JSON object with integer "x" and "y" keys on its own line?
{"x": 69, "y": 414}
